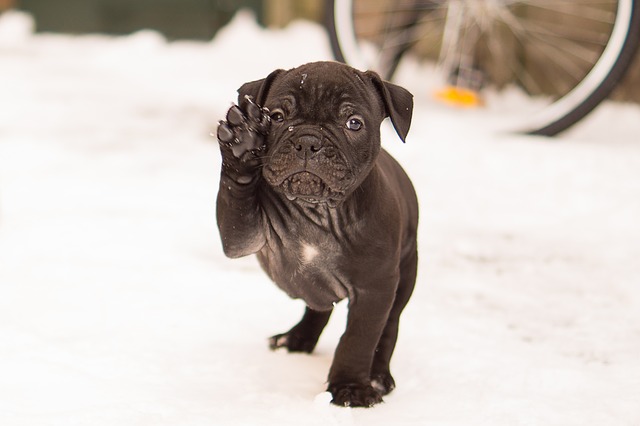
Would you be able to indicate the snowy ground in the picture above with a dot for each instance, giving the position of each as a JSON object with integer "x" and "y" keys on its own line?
{"x": 117, "y": 306}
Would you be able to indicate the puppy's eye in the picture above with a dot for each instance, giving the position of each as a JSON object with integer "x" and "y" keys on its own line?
{"x": 277, "y": 116}
{"x": 355, "y": 124}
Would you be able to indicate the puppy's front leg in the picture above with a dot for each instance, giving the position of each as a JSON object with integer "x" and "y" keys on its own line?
{"x": 350, "y": 374}
{"x": 242, "y": 140}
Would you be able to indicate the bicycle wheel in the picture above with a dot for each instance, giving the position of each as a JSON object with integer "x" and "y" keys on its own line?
{"x": 536, "y": 66}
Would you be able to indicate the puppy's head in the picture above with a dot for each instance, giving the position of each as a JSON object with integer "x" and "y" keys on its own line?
{"x": 325, "y": 127}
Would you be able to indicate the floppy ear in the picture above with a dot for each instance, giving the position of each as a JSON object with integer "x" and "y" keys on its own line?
{"x": 398, "y": 103}
{"x": 258, "y": 89}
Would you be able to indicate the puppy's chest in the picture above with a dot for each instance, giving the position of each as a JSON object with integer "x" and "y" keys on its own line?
{"x": 311, "y": 269}
{"x": 300, "y": 256}
{"x": 308, "y": 254}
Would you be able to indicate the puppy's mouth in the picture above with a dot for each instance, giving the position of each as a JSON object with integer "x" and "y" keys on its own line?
{"x": 310, "y": 188}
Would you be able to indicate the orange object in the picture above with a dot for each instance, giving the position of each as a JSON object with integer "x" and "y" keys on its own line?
{"x": 459, "y": 97}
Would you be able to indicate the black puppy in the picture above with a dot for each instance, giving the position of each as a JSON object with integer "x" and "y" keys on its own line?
{"x": 330, "y": 215}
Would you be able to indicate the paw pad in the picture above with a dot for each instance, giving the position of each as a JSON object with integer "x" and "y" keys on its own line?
{"x": 245, "y": 129}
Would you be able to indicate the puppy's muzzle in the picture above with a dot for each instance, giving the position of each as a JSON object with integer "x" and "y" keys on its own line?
{"x": 308, "y": 166}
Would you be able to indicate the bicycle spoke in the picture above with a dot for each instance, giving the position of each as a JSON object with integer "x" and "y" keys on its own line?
{"x": 562, "y": 33}
{"x": 585, "y": 12}
{"x": 570, "y": 47}
{"x": 566, "y": 2}
{"x": 367, "y": 9}
{"x": 551, "y": 50}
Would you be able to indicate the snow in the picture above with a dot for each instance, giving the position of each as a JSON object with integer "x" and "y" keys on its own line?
{"x": 117, "y": 305}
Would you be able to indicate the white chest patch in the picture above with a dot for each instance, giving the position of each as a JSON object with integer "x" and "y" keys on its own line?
{"x": 309, "y": 253}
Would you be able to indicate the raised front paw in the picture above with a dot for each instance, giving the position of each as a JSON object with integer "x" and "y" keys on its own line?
{"x": 354, "y": 395}
{"x": 244, "y": 132}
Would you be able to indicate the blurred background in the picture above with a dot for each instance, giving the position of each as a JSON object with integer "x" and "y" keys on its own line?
{"x": 191, "y": 19}
{"x": 118, "y": 307}
{"x": 196, "y": 19}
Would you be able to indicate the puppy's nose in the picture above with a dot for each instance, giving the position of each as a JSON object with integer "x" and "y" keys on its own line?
{"x": 307, "y": 146}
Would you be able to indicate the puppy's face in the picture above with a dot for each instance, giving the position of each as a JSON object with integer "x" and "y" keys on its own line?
{"x": 325, "y": 129}
{"x": 324, "y": 133}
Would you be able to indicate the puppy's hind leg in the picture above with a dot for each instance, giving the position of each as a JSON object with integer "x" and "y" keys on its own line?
{"x": 304, "y": 336}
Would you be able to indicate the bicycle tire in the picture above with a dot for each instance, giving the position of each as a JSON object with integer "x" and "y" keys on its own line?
{"x": 572, "y": 106}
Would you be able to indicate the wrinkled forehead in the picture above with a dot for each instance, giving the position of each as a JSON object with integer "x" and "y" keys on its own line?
{"x": 322, "y": 91}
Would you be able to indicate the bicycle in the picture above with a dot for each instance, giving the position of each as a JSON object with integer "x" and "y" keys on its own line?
{"x": 559, "y": 58}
